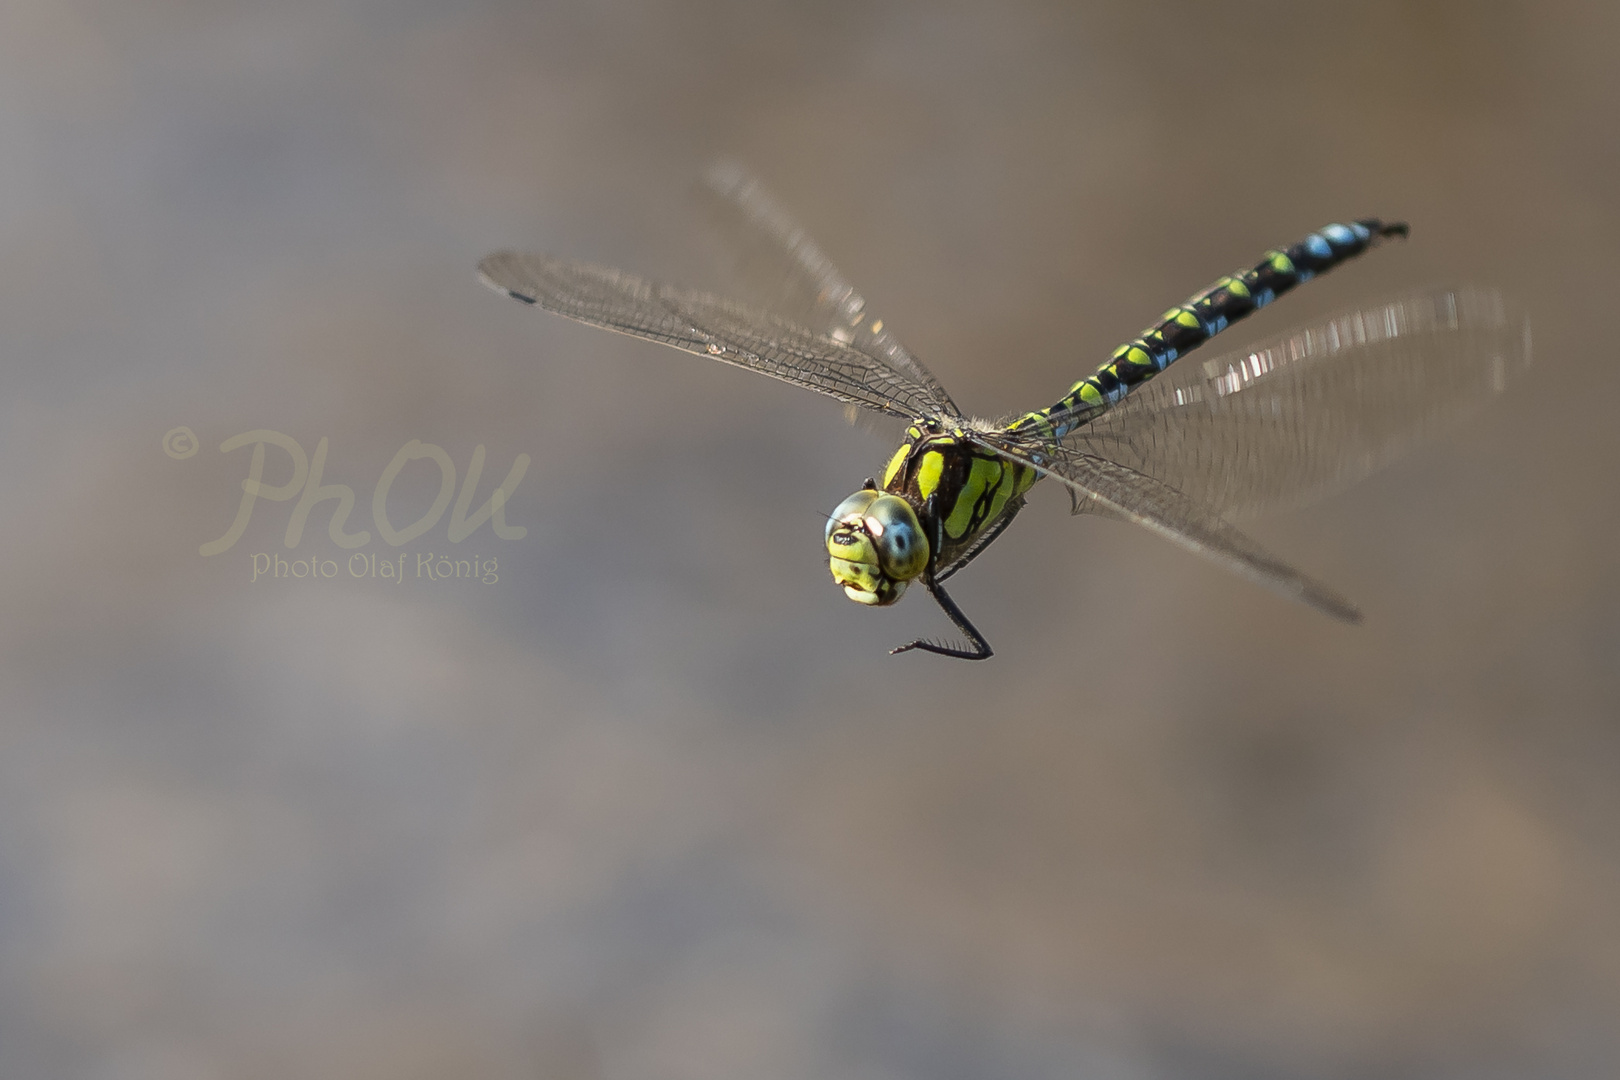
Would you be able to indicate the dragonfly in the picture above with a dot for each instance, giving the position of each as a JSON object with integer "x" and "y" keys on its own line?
{"x": 1177, "y": 451}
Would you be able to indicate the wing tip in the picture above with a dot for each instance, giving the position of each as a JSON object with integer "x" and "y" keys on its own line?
{"x": 1350, "y": 615}
{"x": 488, "y": 269}
{"x": 1333, "y": 605}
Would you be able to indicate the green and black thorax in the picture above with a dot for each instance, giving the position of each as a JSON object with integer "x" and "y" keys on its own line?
{"x": 963, "y": 493}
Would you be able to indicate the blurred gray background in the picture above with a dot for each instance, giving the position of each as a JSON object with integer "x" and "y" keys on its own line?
{"x": 657, "y": 804}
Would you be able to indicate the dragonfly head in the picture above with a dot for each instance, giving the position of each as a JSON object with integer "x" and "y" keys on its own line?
{"x": 876, "y": 546}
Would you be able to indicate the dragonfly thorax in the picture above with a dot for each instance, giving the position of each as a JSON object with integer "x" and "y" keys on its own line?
{"x": 963, "y": 492}
{"x": 876, "y": 546}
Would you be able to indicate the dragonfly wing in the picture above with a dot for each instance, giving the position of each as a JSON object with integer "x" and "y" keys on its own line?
{"x": 1116, "y": 490}
{"x": 1315, "y": 410}
{"x": 708, "y": 326}
{"x": 782, "y": 270}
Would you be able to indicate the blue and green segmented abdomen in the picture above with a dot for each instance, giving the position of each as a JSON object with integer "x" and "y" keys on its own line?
{"x": 1186, "y": 327}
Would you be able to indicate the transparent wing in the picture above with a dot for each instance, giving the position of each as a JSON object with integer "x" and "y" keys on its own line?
{"x": 781, "y": 270}
{"x": 708, "y": 326}
{"x": 1315, "y": 410}
{"x": 1119, "y": 491}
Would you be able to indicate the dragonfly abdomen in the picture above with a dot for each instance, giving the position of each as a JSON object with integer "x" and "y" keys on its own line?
{"x": 1204, "y": 315}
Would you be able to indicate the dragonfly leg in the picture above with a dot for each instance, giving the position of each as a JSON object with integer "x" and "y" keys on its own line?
{"x": 980, "y": 649}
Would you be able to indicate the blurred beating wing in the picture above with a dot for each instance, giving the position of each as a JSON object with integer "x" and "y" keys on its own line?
{"x": 1119, "y": 491}
{"x": 1317, "y": 409}
{"x": 709, "y": 326}
{"x": 783, "y": 271}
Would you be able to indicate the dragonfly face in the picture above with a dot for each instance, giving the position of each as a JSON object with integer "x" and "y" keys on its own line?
{"x": 876, "y": 547}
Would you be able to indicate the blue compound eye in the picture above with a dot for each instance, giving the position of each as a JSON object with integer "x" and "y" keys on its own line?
{"x": 901, "y": 547}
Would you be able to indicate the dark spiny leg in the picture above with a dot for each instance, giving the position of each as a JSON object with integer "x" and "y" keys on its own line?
{"x": 981, "y": 647}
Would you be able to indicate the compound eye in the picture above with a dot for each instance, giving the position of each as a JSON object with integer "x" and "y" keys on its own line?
{"x": 902, "y": 548}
